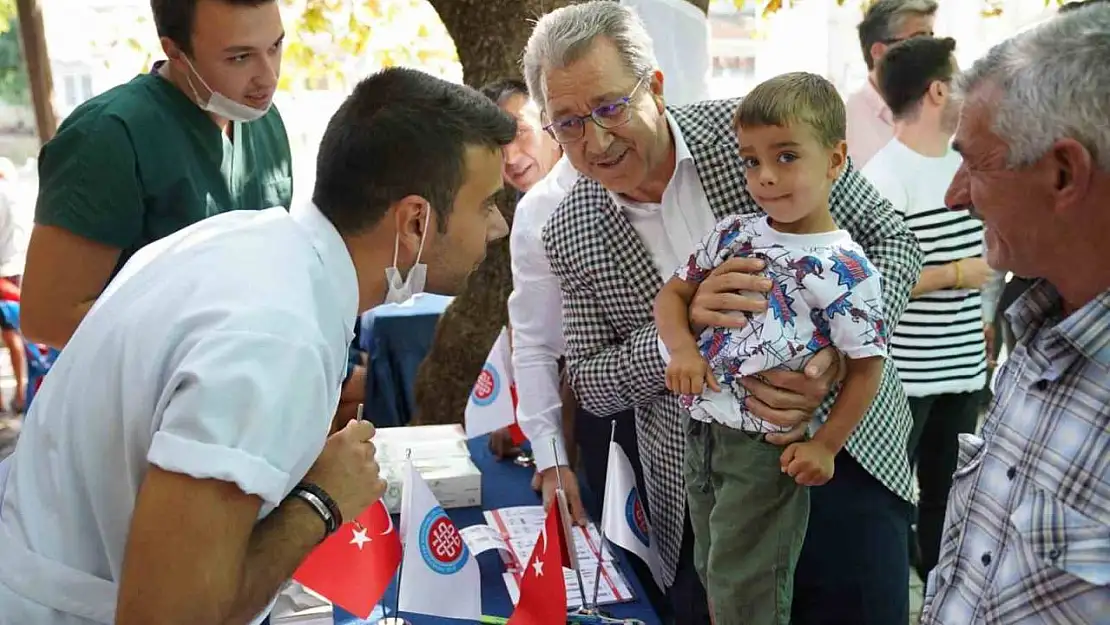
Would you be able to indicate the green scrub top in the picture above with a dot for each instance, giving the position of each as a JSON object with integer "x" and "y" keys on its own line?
{"x": 142, "y": 161}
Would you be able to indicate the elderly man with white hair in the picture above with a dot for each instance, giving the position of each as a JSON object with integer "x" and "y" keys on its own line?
{"x": 1027, "y": 536}
{"x": 655, "y": 179}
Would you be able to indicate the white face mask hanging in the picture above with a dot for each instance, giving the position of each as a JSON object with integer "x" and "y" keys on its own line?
{"x": 399, "y": 290}
{"x": 219, "y": 104}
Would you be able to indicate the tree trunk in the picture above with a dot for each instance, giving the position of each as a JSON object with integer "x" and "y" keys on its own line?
{"x": 32, "y": 36}
{"x": 489, "y": 36}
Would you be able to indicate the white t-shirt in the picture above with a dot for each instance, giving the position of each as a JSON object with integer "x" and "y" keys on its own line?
{"x": 217, "y": 352}
{"x": 825, "y": 293}
{"x": 938, "y": 346}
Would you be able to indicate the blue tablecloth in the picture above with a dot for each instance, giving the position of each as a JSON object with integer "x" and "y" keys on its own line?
{"x": 397, "y": 337}
{"x": 504, "y": 484}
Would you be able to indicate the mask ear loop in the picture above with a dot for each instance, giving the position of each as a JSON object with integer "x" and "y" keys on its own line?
{"x": 189, "y": 80}
{"x": 419, "y": 250}
{"x": 424, "y": 235}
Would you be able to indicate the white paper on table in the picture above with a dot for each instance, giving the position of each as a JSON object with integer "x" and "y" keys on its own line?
{"x": 299, "y": 605}
{"x": 613, "y": 588}
{"x": 520, "y": 526}
{"x": 482, "y": 538}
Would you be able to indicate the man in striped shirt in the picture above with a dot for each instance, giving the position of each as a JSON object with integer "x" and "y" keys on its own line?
{"x": 939, "y": 346}
{"x": 1027, "y": 534}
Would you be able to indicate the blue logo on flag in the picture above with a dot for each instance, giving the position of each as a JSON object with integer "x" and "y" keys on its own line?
{"x": 635, "y": 517}
{"x": 488, "y": 386}
{"x": 441, "y": 546}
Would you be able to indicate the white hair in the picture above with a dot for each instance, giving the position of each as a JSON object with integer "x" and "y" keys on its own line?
{"x": 566, "y": 34}
{"x": 1054, "y": 82}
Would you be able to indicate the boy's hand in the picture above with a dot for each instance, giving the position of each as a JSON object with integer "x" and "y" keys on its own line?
{"x": 809, "y": 463}
{"x": 688, "y": 373}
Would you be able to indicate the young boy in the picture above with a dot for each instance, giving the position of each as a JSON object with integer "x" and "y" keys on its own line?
{"x": 747, "y": 498}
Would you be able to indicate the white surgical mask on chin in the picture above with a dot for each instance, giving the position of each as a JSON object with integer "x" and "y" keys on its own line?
{"x": 399, "y": 290}
{"x": 219, "y": 104}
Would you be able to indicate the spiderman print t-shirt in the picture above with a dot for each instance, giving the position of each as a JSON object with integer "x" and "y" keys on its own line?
{"x": 825, "y": 292}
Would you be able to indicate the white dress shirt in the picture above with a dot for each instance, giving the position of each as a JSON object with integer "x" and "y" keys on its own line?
{"x": 536, "y": 316}
{"x": 217, "y": 352}
{"x": 670, "y": 231}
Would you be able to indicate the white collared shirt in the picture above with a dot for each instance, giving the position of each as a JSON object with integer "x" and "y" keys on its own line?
{"x": 217, "y": 352}
{"x": 536, "y": 316}
{"x": 670, "y": 230}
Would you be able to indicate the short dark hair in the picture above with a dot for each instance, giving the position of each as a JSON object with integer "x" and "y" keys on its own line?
{"x": 402, "y": 132}
{"x": 795, "y": 98}
{"x": 503, "y": 89}
{"x": 909, "y": 68}
{"x": 174, "y": 19}
{"x": 881, "y": 20}
{"x": 1071, "y": 6}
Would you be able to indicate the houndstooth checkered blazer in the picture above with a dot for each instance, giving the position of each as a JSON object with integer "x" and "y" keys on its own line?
{"x": 609, "y": 283}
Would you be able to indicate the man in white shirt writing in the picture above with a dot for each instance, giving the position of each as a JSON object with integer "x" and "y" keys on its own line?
{"x": 164, "y": 470}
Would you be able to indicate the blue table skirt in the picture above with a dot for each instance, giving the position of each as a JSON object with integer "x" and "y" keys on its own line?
{"x": 504, "y": 484}
{"x": 397, "y": 337}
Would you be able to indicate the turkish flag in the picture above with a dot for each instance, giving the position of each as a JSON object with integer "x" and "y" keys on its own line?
{"x": 354, "y": 566}
{"x": 543, "y": 591}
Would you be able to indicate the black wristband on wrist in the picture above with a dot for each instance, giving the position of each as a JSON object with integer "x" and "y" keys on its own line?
{"x": 334, "y": 518}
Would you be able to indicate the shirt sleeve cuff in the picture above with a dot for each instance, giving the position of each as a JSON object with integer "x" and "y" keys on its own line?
{"x": 253, "y": 475}
{"x": 545, "y": 457}
{"x": 664, "y": 352}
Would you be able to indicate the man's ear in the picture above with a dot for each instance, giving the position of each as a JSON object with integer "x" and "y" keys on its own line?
{"x": 655, "y": 85}
{"x": 410, "y": 216}
{"x": 838, "y": 158}
{"x": 1074, "y": 167}
{"x": 877, "y": 51}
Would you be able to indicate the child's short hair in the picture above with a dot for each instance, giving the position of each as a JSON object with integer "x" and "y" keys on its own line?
{"x": 795, "y": 98}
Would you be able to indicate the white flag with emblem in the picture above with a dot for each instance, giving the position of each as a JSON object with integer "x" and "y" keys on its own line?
{"x": 439, "y": 576}
{"x": 490, "y": 406}
{"x": 623, "y": 519}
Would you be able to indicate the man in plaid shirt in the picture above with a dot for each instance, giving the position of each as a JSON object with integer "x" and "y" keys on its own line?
{"x": 654, "y": 180}
{"x": 1027, "y": 535}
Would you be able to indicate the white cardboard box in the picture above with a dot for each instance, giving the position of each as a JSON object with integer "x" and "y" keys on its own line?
{"x": 440, "y": 454}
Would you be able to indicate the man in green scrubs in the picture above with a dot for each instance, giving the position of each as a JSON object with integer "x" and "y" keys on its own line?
{"x": 195, "y": 137}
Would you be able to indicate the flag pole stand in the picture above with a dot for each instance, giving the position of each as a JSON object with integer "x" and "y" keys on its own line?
{"x": 570, "y": 537}
{"x": 603, "y": 546}
{"x": 397, "y": 619}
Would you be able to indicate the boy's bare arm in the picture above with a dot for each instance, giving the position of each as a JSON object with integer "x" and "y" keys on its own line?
{"x": 861, "y": 384}
{"x": 672, "y": 315}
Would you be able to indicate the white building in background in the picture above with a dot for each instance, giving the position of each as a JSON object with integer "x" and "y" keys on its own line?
{"x": 91, "y": 49}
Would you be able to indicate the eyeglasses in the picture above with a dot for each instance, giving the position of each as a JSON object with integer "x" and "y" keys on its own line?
{"x": 895, "y": 40}
{"x": 608, "y": 116}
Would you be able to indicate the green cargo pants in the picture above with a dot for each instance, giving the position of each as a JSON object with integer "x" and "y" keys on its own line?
{"x": 749, "y": 523}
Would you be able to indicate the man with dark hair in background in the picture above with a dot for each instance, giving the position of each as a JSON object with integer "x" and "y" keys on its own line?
{"x": 533, "y": 152}
{"x": 939, "y": 346}
{"x": 194, "y": 137}
{"x": 180, "y": 498}
{"x": 886, "y": 22}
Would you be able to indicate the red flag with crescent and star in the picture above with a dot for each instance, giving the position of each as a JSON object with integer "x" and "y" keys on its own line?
{"x": 354, "y": 566}
{"x": 543, "y": 591}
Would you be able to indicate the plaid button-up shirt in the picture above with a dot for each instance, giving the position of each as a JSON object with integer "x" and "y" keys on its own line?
{"x": 1027, "y": 538}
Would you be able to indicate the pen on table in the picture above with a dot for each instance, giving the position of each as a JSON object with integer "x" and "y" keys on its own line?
{"x": 492, "y": 620}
